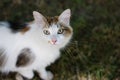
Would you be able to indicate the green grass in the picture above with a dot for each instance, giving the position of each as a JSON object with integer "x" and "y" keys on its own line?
{"x": 94, "y": 50}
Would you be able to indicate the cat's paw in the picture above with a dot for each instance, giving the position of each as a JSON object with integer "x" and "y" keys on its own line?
{"x": 48, "y": 76}
{"x": 19, "y": 77}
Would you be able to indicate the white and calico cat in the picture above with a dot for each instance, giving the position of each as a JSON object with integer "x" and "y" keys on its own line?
{"x": 34, "y": 46}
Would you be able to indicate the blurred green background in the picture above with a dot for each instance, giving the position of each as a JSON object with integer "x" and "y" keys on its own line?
{"x": 94, "y": 51}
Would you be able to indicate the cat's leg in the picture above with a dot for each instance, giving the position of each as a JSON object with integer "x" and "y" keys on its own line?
{"x": 19, "y": 77}
{"x": 24, "y": 73}
{"x": 45, "y": 75}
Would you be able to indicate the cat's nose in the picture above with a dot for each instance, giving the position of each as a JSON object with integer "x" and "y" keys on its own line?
{"x": 54, "y": 41}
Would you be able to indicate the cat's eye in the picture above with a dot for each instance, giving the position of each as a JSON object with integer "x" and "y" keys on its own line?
{"x": 60, "y": 31}
{"x": 46, "y": 32}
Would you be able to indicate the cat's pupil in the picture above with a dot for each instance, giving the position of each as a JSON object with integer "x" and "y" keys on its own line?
{"x": 46, "y": 32}
{"x": 60, "y": 31}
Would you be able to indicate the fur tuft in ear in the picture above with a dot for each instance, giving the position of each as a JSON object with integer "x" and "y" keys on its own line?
{"x": 39, "y": 18}
{"x": 65, "y": 17}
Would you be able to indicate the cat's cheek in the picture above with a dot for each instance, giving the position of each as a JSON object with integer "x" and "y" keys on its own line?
{"x": 61, "y": 38}
{"x": 57, "y": 43}
{"x": 60, "y": 41}
{"x": 50, "y": 42}
{"x": 47, "y": 39}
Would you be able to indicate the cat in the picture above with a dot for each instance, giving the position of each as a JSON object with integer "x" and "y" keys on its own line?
{"x": 34, "y": 45}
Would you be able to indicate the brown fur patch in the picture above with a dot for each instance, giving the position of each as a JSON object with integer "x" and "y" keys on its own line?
{"x": 25, "y": 30}
{"x": 51, "y": 20}
{"x": 25, "y": 58}
{"x": 2, "y": 58}
{"x": 67, "y": 29}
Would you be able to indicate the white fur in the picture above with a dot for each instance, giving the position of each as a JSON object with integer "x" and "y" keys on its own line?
{"x": 34, "y": 39}
{"x": 65, "y": 17}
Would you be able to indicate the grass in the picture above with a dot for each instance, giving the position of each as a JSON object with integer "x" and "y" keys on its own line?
{"x": 94, "y": 50}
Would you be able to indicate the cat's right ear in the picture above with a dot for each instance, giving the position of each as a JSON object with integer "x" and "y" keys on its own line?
{"x": 39, "y": 18}
{"x": 65, "y": 17}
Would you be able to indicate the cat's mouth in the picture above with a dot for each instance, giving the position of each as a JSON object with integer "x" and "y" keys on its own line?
{"x": 52, "y": 42}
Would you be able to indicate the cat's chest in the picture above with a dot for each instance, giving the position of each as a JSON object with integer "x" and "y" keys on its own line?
{"x": 46, "y": 54}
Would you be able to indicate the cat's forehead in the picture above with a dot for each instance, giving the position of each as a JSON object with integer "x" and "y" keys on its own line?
{"x": 53, "y": 23}
{"x": 52, "y": 20}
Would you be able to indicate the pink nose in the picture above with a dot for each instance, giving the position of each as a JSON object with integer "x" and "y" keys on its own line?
{"x": 54, "y": 41}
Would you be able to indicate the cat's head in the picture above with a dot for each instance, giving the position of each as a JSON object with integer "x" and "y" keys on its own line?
{"x": 55, "y": 30}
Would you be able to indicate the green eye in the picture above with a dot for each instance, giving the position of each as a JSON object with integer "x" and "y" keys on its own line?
{"x": 60, "y": 31}
{"x": 46, "y": 32}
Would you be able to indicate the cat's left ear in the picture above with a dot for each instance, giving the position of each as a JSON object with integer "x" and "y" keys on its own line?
{"x": 39, "y": 18}
{"x": 65, "y": 17}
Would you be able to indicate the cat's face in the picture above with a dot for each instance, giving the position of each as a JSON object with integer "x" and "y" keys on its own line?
{"x": 56, "y": 33}
{"x": 55, "y": 30}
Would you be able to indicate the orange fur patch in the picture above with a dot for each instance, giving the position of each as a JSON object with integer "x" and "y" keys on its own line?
{"x": 25, "y": 30}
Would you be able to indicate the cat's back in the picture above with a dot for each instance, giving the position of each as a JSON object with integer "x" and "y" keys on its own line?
{"x": 4, "y": 24}
{"x": 8, "y": 32}
{"x": 5, "y": 32}
{"x": 4, "y": 27}
{"x": 12, "y": 26}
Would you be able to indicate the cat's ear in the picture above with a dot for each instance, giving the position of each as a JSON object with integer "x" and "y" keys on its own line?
{"x": 39, "y": 18}
{"x": 65, "y": 17}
